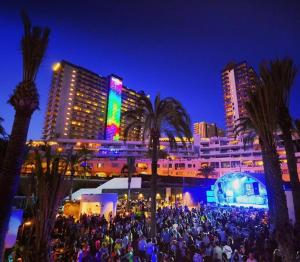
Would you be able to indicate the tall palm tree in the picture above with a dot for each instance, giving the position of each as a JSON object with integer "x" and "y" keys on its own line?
{"x": 297, "y": 124}
{"x": 262, "y": 109}
{"x": 164, "y": 117}
{"x": 2, "y": 130}
{"x": 131, "y": 167}
{"x": 280, "y": 75}
{"x": 297, "y": 134}
{"x": 25, "y": 100}
{"x": 3, "y": 142}
{"x": 75, "y": 160}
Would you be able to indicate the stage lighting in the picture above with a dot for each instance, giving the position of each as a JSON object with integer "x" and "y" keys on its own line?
{"x": 236, "y": 184}
{"x": 229, "y": 193}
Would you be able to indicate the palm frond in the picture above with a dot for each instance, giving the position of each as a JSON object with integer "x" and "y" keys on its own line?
{"x": 34, "y": 45}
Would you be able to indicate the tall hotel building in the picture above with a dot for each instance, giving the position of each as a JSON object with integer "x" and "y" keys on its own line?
{"x": 237, "y": 79}
{"x": 85, "y": 105}
{"x": 129, "y": 99}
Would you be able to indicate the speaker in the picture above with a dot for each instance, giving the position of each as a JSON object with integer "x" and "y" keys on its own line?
{"x": 255, "y": 188}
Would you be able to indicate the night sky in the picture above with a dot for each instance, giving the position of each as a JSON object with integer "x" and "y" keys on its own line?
{"x": 175, "y": 48}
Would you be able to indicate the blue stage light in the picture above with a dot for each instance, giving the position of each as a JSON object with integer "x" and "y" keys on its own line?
{"x": 236, "y": 184}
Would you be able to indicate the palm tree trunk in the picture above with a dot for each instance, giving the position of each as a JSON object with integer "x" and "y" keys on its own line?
{"x": 10, "y": 174}
{"x": 71, "y": 185}
{"x": 129, "y": 192}
{"x": 279, "y": 211}
{"x": 130, "y": 164}
{"x": 268, "y": 187}
{"x": 154, "y": 186}
{"x": 294, "y": 179}
{"x": 130, "y": 170}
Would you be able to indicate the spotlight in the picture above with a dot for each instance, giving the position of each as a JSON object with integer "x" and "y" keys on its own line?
{"x": 236, "y": 184}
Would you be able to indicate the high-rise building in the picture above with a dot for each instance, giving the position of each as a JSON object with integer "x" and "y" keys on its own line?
{"x": 76, "y": 104}
{"x": 120, "y": 100}
{"x": 85, "y": 105}
{"x": 113, "y": 119}
{"x": 237, "y": 80}
{"x": 129, "y": 101}
{"x": 207, "y": 130}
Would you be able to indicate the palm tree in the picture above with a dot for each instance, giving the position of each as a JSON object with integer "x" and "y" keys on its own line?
{"x": 297, "y": 128}
{"x": 165, "y": 117}
{"x": 50, "y": 187}
{"x": 2, "y": 130}
{"x": 25, "y": 100}
{"x": 131, "y": 168}
{"x": 280, "y": 75}
{"x": 206, "y": 171}
{"x": 297, "y": 124}
{"x": 75, "y": 160}
{"x": 262, "y": 110}
{"x": 3, "y": 142}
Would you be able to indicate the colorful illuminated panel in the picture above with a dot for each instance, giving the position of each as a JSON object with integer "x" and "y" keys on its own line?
{"x": 114, "y": 109}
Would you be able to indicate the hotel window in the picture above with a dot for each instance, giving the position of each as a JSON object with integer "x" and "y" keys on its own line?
{"x": 225, "y": 164}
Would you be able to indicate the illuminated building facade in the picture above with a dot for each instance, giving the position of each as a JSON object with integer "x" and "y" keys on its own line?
{"x": 222, "y": 153}
{"x": 129, "y": 101}
{"x": 114, "y": 109}
{"x": 85, "y": 105}
{"x": 207, "y": 130}
{"x": 237, "y": 79}
{"x": 77, "y": 103}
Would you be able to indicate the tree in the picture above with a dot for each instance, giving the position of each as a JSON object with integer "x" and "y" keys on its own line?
{"x": 262, "y": 110}
{"x": 3, "y": 142}
{"x": 2, "y": 130}
{"x": 75, "y": 161}
{"x": 280, "y": 75}
{"x": 297, "y": 124}
{"x": 25, "y": 100}
{"x": 206, "y": 171}
{"x": 131, "y": 168}
{"x": 50, "y": 186}
{"x": 166, "y": 116}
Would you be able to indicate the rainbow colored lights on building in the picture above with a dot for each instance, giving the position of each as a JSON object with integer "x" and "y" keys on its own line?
{"x": 114, "y": 109}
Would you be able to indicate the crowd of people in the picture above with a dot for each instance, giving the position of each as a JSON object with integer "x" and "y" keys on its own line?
{"x": 207, "y": 233}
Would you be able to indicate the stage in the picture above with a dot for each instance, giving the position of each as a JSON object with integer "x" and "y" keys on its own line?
{"x": 239, "y": 189}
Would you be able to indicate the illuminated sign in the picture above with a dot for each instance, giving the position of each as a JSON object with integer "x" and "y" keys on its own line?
{"x": 114, "y": 109}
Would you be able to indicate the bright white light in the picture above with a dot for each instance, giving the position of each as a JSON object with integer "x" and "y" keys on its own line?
{"x": 229, "y": 193}
{"x": 236, "y": 184}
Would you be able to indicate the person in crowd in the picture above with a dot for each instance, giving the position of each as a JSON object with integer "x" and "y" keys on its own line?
{"x": 203, "y": 234}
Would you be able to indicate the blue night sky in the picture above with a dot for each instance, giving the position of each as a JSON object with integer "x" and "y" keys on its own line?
{"x": 176, "y": 48}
